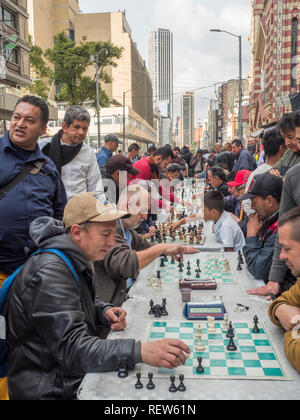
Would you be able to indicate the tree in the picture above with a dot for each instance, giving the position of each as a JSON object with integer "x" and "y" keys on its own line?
{"x": 71, "y": 63}
{"x": 43, "y": 75}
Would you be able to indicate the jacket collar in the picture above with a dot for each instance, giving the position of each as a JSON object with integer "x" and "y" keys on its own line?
{"x": 6, "y": 144}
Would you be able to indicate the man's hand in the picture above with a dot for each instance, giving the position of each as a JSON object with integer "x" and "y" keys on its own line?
{"x": 176, "y": 251}
{"x": 177, "y": 224}
{"x": 116, "y": 317}
{"x": 288, "y": 316}
{"x": 254, "y": 225}
{"x": 165, "y": 353}
{"x": 272, "y": 287}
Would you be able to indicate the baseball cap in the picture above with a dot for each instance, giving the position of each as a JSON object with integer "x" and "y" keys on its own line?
{"x": 112, "y": 137}
{"x": 90, "y": 207}
{"x": 264, "y": 185}
{"x": 240, "y": 178}
{"x": 121, "y": 163}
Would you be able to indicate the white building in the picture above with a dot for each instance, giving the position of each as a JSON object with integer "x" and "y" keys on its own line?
{"x": 160, "y": 64}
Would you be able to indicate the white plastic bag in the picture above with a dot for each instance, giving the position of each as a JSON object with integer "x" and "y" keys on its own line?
{"x": 2, "y": 328}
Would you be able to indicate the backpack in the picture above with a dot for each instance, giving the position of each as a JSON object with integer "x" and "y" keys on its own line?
{"x": 4, "y": 293}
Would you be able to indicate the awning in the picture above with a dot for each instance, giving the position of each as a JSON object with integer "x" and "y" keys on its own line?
{"x": 259, "y": 133}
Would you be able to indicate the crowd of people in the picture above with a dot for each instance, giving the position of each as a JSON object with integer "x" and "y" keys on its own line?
{"x": 75, "y": 230}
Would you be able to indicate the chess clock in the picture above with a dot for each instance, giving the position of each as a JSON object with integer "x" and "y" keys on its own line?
{"x": 200, "y": 311}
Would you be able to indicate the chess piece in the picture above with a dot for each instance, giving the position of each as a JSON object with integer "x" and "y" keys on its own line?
{"x": 150, "y": 384}
{"x": 231, "y": 346}
{"x": 211, "y": 324}
{"x": 200, "y": 368}
{"x": 173, "y": 386}
{"x": 239, "y": 267}
{"x": 157, "y": 311}
{"x": 139, "y": 384}
{"x": 163, "y": 308}
{"x": 256, "y": 330}
{"x": 122, "y": 372}
{"x": 181, "y": 387}
{"x": 151, "y": 312}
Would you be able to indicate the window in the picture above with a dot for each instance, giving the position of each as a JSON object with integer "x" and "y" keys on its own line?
{"x": 8, "y": 18}
{"x": 10, "y": 55}
{"x": 294, "y": 53}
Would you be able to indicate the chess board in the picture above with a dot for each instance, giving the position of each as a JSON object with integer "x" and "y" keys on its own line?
{"x": 170, "y": 273}
{"x": 256, "y": 357}
{"x": 169, "y": 240}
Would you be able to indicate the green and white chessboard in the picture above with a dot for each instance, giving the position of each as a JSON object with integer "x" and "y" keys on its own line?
{"x": 170, "y": 273}
{"x": 256, "y": 357}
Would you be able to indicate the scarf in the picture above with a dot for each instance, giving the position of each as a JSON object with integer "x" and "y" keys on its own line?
{"x": 60, "y": 154}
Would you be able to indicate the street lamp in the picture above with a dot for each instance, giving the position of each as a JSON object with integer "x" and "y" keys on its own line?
{"x": 95, "y": 59}
{"x": 241, "y": 134}
{"x": 124, "y": 119}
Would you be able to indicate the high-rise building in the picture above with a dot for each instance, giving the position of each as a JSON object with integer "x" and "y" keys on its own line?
{"x": 160, "y": 63}
{"x": 187, "y": 112}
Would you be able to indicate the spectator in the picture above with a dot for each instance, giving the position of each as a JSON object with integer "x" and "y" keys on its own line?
{"x": 291, "y": 157}
{"x": 285, "y": 311}
{"x": 197, "y": 165}
{"x": 133, "y": 152}
{"x": 265, "y": 195}
{"x": 238, "y": 189}
{"x": 111, "y": 176}
{"x": 226, "y": 156}
{"x": 274, "y": 147}
{"x": 186, "y": 154}
{"x": 280, "y": 279}
{"x": 244, "y": 160}
{"x": 60, "y": 317}
{"x": 40, "y": 192}
{"x": 75, "y": 161}
{"x": 111, "y": 146}
{"x": 217, "y": 179}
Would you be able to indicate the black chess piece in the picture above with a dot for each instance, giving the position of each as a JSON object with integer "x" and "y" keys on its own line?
{"x": 256, "y": 330}
{"x": 157, "y": 311}
{"x": 139, "y": 384}
{"x": 173, "y": 261}
{"x": 173, "y": 386}
{"x": 198, "y": 274}
{"x": 122, "y": 372}
{"x": 239, "y": 267}
{"x": 231, "y": 346}
{"x": 151, "y": 312}
{"x": 150, "y": 384}
{"x": 163, "y": 308}
{"x": 181, "y": 387}
{"x": 162, "y": 262}
{"x": 230, "y": 330}
{"x": 200, "y": 368}
{"x": 158, "y": 275}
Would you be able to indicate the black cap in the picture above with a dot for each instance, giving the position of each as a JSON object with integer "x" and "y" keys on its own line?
{"x": 121, "y": 163}
{"x": 112, "y": 137}
{"x": 263, "y": 185}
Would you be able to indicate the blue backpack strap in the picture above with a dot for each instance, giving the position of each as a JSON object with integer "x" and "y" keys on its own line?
{"x": 6, "y": 286}
{"x": 5, "y": 289}
{"x": 64, "y": 258}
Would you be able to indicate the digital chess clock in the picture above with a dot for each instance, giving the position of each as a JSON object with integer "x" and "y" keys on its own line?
{"x": 200, "y": 311}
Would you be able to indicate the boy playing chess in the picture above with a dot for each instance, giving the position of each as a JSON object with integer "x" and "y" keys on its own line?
{"x": 227, "y": 231}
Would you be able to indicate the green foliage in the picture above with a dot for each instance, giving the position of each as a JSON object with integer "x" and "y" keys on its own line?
{"x": 72, "y": 62}
{"x": 43, "y": 75}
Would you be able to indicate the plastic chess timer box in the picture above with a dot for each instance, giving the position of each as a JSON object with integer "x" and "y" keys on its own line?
{"x": 256, "y": 357}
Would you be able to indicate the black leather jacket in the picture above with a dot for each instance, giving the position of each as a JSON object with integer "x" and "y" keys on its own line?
{"x": 52, "y": 328}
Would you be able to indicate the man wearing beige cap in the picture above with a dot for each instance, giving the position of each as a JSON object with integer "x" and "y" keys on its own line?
{"x": 53, "y": 320}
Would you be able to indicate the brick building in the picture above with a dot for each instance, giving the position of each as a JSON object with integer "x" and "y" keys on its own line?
{"x": 275, "y": 42}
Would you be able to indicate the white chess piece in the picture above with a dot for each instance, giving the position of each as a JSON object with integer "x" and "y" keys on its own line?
{"x": 211, "y": 324}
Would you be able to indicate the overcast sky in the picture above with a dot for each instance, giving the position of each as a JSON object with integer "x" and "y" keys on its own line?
{"x": 201, "y": 58}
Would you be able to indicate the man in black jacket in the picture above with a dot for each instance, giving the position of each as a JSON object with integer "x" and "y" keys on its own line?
{"x": 53, "y": 323}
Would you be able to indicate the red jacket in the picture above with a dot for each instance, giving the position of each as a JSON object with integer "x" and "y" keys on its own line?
{"x": 143, "y": 165}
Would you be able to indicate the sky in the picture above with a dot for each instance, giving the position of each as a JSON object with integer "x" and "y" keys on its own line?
{"x": 201, "y": 58}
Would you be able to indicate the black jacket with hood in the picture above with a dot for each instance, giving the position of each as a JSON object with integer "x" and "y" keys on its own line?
{"x": 52, "y": 323}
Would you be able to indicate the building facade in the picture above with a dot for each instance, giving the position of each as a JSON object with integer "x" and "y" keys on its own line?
{"x": 14, "y": 56}
{"x": 275, "y": 75}
{"x": 187, "y": 112}
{"x": 160, "y": 63}
{"x": 130, "y": 91}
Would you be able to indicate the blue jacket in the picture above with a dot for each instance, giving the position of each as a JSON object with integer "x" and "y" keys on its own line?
{"x": 36, "y": 196}
{"x": 244, "y": 162}
{"x": 103, "y": 156}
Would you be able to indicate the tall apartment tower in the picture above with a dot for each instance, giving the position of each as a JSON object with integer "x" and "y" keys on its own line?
{"x": 187, "y": 113}
{"x": 160, "y": 64}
